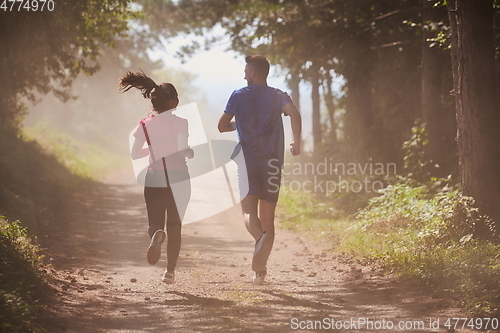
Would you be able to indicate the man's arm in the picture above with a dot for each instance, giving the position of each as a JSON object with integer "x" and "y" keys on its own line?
{"x": 226, "y": 123}
{"x": 291, "y": 110}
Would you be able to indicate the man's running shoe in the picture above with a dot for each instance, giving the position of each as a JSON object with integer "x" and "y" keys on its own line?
{"x": 154, "y": 250}
{"x": 168, "y": 277}
{"x": 258, "y": 277}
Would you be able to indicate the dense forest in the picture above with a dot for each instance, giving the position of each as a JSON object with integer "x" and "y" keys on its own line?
{"x": 420, "y": 80}
{"x": 420, "y": 72}
{"x": 396, "y": 58}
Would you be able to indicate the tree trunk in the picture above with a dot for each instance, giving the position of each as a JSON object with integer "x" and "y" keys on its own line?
{"x": 478, "y": 119}
{"x": 360, "y": 83}
{"x": 432, "y": 112}
{"x": 316, "y": 116}
{"x": 330, "y": 106}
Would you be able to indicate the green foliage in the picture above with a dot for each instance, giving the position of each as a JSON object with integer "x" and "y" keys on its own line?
{"x": 430, "y": 219}
{"x": 34, "y": 185}
{"x": 304, "y": 213}
{"x": 365, "y": 42}
{"x": 44, "y": 50}
{"x": 418, "y": 168}
{"x": 430, "y": 236}
{"x": 416, "y": 231}
{"x": 80, "y": 158}
{"x": 17, "y": 235}
{"x": 416, "y": 165}
{"x": 35, "y": 189}
{"x": 299, "y": 207}
{"x": 342, "y": 186}
{"x": 21, "y": 281}
{"x": 100, "y": 115}
{"x": 442, "y": 39}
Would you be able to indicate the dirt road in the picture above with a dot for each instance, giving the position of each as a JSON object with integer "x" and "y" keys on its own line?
{"x": 105, "y": 284}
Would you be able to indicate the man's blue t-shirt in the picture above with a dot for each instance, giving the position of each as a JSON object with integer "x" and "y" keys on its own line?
{"x": 257, "y": 109}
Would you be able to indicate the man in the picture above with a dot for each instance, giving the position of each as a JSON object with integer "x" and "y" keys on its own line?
{"x": 257, "y": 110}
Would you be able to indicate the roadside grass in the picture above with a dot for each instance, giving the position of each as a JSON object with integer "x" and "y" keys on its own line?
{"x": 303, "y": 213}
{"x": 38, "y": 181}
{"x": 80, "y": 158}
{"x": 410, "y": 231}
{"x": 22, "y": 283}
{"x": 34, "y": 184}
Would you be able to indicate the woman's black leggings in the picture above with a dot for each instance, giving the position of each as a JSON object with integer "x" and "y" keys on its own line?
{"x": 158, "y": 201}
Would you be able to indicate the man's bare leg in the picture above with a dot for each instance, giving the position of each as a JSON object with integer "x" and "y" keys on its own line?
{"x": 250, "y": 204}
{"x": 266, "y": 215}
{"x": 264, "y": 245}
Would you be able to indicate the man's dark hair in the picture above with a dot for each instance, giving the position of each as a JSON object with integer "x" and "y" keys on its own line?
{"x": 260, "y": 63}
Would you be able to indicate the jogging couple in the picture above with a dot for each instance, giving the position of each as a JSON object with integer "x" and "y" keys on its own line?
{"x": 255, "y": 112}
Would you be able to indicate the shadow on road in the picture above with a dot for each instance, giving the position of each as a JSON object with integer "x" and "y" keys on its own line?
{"x": 105, "y": 284}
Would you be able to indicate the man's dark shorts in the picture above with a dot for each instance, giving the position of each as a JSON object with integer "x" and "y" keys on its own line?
{"x": 264, "y": 179}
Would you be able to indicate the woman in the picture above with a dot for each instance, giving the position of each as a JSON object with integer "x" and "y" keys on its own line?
{"x": 166, "y": 135}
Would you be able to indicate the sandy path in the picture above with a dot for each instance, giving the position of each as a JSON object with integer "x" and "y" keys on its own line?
{"x": 105, "y": 284}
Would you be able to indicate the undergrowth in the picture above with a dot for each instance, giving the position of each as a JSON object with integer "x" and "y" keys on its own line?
{"x": 37, "y": 182}
{"x": 80, "y": 158}
{"x": 304, "y": 213}
{"x": 21, "y": 281}
{"x": 422, "y": 227}
{"x": 430, "y": 235}
{"x": 411, "y": 231}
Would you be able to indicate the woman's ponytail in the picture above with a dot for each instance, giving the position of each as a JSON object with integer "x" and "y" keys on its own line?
{"x": 158, "y": 94}
{"x": 137, "y": 80}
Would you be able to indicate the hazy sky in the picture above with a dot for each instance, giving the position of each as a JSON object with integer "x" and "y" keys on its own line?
{"x": 220, "y": 71}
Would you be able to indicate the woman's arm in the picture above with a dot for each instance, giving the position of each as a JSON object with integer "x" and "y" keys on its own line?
{"x": 138, "y": 149}
{"x": 183, "y": 146}
{"x": 182, "y": 143}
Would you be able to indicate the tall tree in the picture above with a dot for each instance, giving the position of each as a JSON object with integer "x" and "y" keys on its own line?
{"x": 432, "y": 69}
{"x": 329, "y": 97}
{"x": 478, "y": 117}
{"x": 294, "y": 84}
{"x": 365, "y": 42}
{"x": 437, "y": 113}
{"x": 44, "y": 50}
{"x": 316, "y": 111}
